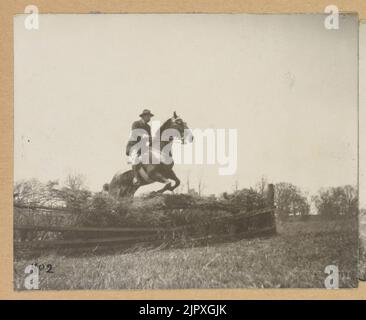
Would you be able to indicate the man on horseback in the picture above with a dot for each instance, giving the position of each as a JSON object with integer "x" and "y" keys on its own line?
{"x": 142, "y": 129}
{"x": 142, "y": 151}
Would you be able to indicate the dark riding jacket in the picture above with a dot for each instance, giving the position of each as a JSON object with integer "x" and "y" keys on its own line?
{"x": 140, "y": 124}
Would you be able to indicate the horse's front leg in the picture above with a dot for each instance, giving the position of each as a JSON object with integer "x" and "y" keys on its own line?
{"x": 168, "y": 186}
{"x": 175, "y": 179}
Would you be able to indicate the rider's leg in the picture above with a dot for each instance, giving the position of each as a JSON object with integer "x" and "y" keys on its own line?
{"x": 136, "y": 178}
{"x": 135, "y": 166}
{"x": 171, "y": 175}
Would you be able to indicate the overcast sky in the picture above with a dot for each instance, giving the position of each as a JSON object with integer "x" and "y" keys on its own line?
{"x": 288, "y": 85}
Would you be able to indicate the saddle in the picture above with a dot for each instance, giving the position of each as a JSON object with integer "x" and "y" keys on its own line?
{"x": 155, "y": 157}
{"x": 143, "y": 175}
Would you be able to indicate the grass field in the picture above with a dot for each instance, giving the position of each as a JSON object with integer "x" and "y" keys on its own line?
{"x": 362, "y": 260}
{"x": 296, "y": 257}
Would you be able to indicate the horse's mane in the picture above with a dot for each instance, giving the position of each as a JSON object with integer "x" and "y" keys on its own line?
{"x": 163, "y": 127}
{"x": 165, "y": 124}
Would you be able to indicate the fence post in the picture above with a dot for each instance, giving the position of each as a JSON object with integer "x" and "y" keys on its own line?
{"x": 271, "y": 204}
{"x": 270, "y": 195}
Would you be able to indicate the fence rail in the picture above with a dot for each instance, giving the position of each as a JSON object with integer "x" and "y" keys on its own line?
{"x": 83, "y": 229}
{"x": 238, "y": 225}
{"x": 68, "y": 243}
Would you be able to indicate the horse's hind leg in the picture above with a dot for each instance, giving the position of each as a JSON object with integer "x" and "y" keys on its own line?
{"x": 176, "y": 180}
{"x": 127, "y": 191}
{"x": 160, "y": 178}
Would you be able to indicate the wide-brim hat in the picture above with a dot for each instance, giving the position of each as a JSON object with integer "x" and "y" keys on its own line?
{"x": 146, "y": 112}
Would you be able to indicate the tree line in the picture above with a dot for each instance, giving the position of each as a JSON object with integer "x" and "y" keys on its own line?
{"x": 328, "y": 202}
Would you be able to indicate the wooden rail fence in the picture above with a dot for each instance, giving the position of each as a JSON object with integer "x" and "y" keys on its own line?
{"x": 240, "y": 225}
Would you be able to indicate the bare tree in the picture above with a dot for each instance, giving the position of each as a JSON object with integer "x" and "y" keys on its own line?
{"x": 261, "y": 185}
{"x": 75, "y": 181}
{"x": 188, "y": 186}
{"x": 236, "y": 186}
{"x": 75, "y": 194}
{"x": 201, "y": 186}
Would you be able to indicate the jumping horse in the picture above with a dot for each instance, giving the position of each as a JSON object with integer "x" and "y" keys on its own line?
{"x": 121, "y": 185}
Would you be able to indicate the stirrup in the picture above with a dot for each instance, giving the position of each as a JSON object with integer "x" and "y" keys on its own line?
{"x": 135, "y": 181}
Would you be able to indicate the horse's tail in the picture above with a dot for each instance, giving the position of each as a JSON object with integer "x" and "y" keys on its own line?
{"x": 121, "y": 185}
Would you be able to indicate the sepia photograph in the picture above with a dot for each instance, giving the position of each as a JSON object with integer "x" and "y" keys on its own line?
{"x": 180, "y": 151}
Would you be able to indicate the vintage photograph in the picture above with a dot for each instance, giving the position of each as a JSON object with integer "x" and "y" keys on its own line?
{"x": 176, "y": 151}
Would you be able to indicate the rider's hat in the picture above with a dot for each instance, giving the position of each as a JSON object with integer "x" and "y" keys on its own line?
{"x": 146, "y": 112}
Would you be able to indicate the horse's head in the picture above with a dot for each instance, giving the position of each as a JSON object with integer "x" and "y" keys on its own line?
{"x": 178, "y": 124}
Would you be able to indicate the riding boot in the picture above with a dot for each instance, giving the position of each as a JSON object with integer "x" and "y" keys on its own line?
{"x": 136, "y": 177}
